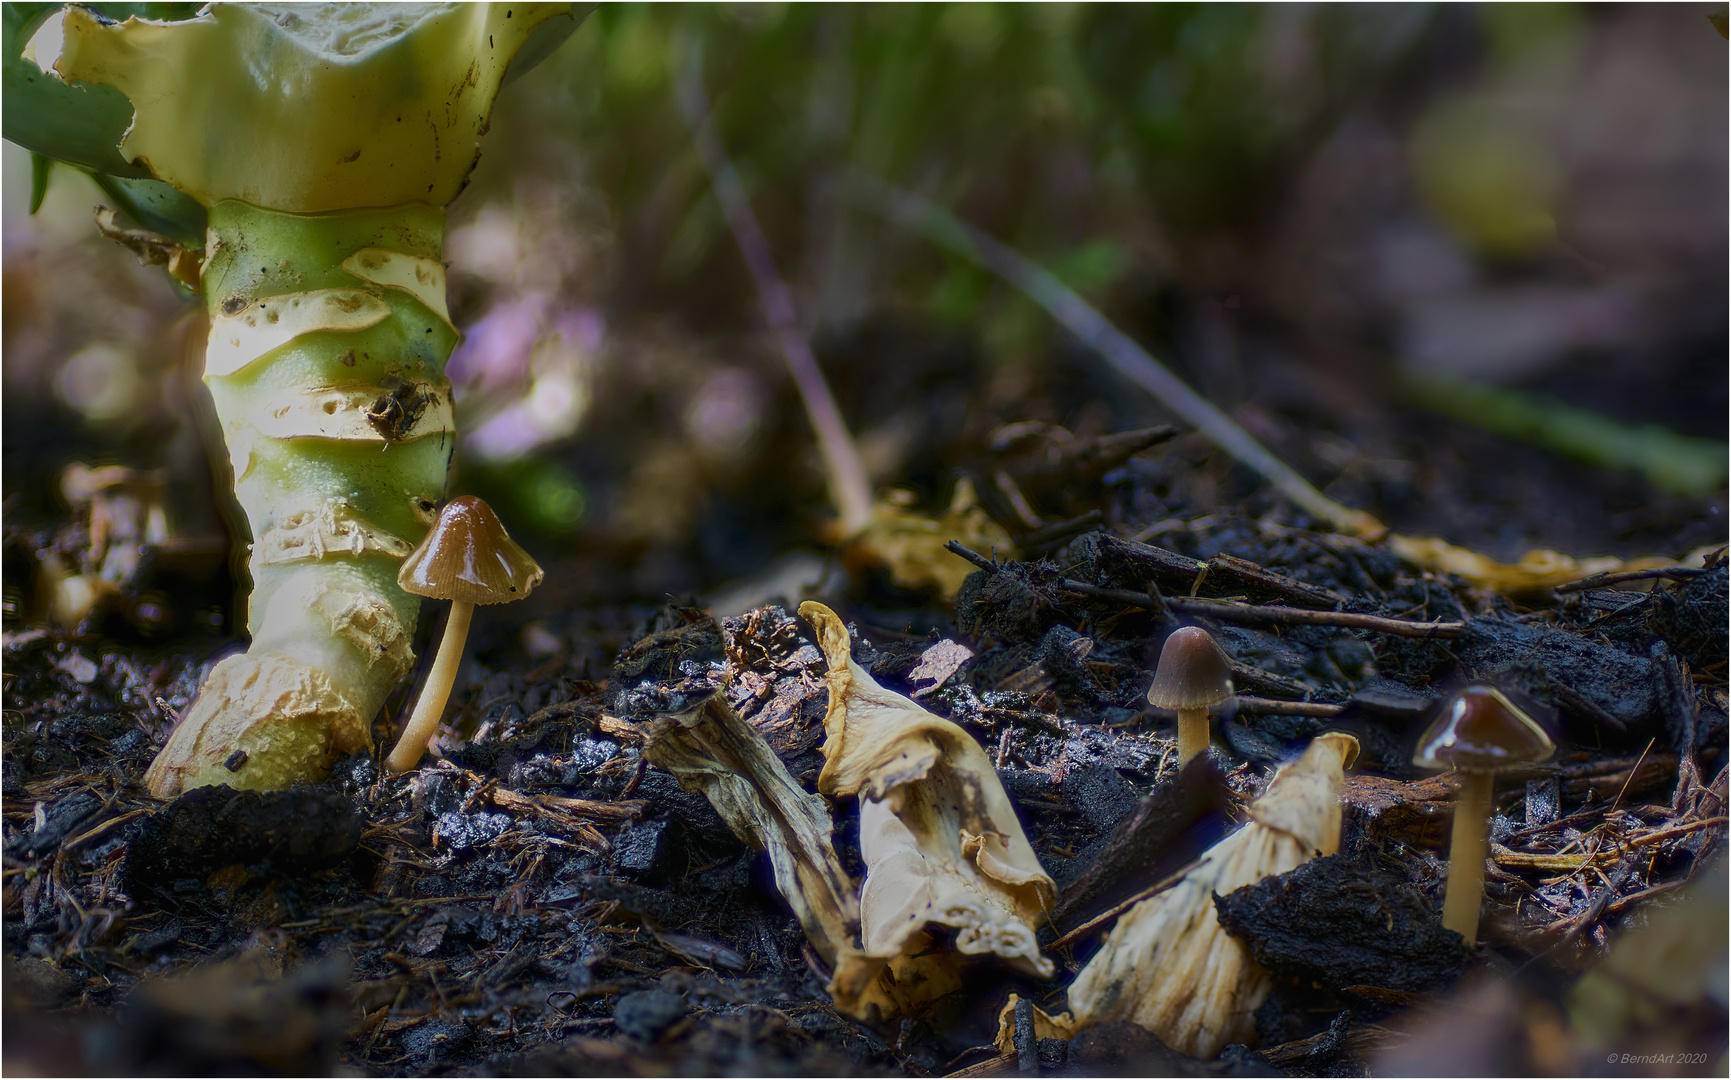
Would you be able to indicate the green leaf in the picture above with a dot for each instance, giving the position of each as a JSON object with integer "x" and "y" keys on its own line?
{"x": 40, "y": 167}
{"x": 79, "y": 124}
{"x": 156, "y": 206}
{"x": 307, "y": 107}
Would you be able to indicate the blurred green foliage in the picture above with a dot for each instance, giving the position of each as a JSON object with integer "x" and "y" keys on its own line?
{"x": 538, "y": 496}
{"x": 1679, "y": 464}
{"x": 1093, "y": 137}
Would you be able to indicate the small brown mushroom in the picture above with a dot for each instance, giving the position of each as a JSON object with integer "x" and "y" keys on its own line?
{"x": 1479, "y": 733}
{"x": 468, "y": 559}
{"x": 1194, "y": 675}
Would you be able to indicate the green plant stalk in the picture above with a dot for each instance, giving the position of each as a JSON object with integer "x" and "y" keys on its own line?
{"x": 321, "y": 143}
{"x": 339, "y": 439}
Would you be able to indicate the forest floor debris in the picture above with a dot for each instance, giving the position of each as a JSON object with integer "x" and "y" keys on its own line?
{"x": 541, "y": 896}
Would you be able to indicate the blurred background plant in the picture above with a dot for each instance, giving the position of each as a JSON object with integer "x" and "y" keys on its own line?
{"x": 1312, "y": 213}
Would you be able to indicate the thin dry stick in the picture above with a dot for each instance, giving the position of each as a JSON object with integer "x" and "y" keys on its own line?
{"x": 848, "y": 484}
{"x": 1256, "y": 706}
{"x": 1130, "y": 359}
{"x": 1254, "y": 614}
{"x": 1598, "y": 581}
{"x": 1120, "y": 908}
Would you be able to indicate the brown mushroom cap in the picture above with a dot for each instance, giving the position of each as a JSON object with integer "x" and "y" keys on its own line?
{"x": 1481, "y": 730}
{"x": 1193, "y": 674}
{"x": 468, "y": 556}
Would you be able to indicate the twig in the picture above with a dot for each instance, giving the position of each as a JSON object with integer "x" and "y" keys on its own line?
{"x": 1674, "y": 573}
{"x": 848, "y": 484}
{"x": 1632, "y": 771}
{"x": 91, "y": 834}
{"x": 1585, "y": 707}
{"x": 1118, "y": 909}
{"x": 1268, "y": 684}
{"x": 1253, "y": 614}
{"x": 1248, "y": 706}
{"x": 1558, "y": 861}
{"x": 1127, "y": 357}
{"x": 1617, "y": 906}
{"x": 955, "y": 547}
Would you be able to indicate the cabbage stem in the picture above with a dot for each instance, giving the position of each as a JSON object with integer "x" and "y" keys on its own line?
{"x": 323, "y": 141}
{"x": 326, "y": 360}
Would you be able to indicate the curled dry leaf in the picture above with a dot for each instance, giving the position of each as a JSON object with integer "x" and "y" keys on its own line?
{"x": 940, "y": 840}
{"x": 1167, "y": 965}
{"x": 912, "y": 546}
{"x": 710, "y": 749}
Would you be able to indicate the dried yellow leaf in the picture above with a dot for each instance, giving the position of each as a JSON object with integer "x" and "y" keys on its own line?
{"x": 1045, "y": 1026}
{"x": 1537, "y": 570}
{"x": 940, "y": 840}
{"x": 912, "y": 545}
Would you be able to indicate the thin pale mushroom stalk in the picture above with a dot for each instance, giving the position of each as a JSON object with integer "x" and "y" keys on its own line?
{"x": 1167, "y": 965}
{"x": 324, "y": 141}
{"x": 941, "y": 844}
{"x": 711, "y": 749}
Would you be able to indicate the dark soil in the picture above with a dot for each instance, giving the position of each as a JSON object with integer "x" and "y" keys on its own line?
{"x": 539, "y": 901}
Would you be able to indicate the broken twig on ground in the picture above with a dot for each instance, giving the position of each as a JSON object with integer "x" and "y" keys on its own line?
{"x": 1255, "y": 614}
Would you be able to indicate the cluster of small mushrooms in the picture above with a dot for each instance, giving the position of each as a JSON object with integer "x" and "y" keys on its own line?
{"x": 1479, "y": 732}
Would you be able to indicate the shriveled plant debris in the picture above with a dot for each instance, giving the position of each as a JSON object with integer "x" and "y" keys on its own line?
{"x": 1167, "y": 964}
{"x": 940, "y": 840}
{"x": 709, "y": 749}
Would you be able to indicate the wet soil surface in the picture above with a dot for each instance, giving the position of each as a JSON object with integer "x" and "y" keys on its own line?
{"x": 539, "y": 900}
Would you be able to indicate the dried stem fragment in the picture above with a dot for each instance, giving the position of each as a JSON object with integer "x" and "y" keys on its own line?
{"x": 710, "y": 749}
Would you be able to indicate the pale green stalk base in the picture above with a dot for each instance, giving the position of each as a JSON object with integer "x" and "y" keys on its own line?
{"x": 437, "y": 691}
{"x": 1468, "y": 848}
{"x": 1192, "y": 734}
{"x": 329, "y": 383}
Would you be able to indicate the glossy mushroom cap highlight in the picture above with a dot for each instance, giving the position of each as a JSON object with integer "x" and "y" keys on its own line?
{"x": 1193, "y": 674}
{"x": 1481, "y": 730}
{"x": 468, "y": 556}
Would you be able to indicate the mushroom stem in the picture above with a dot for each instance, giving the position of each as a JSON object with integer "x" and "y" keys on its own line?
{"x": 1468, "y": 849}
{"x": 431, "y": 704}
{"x": 1192, "y": 734}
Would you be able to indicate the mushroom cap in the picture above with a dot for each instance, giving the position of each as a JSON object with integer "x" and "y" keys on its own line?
{"x": 1480, "y": 730}
{"x": 468, "y": 556}
{"x": 1193, "y": 674}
